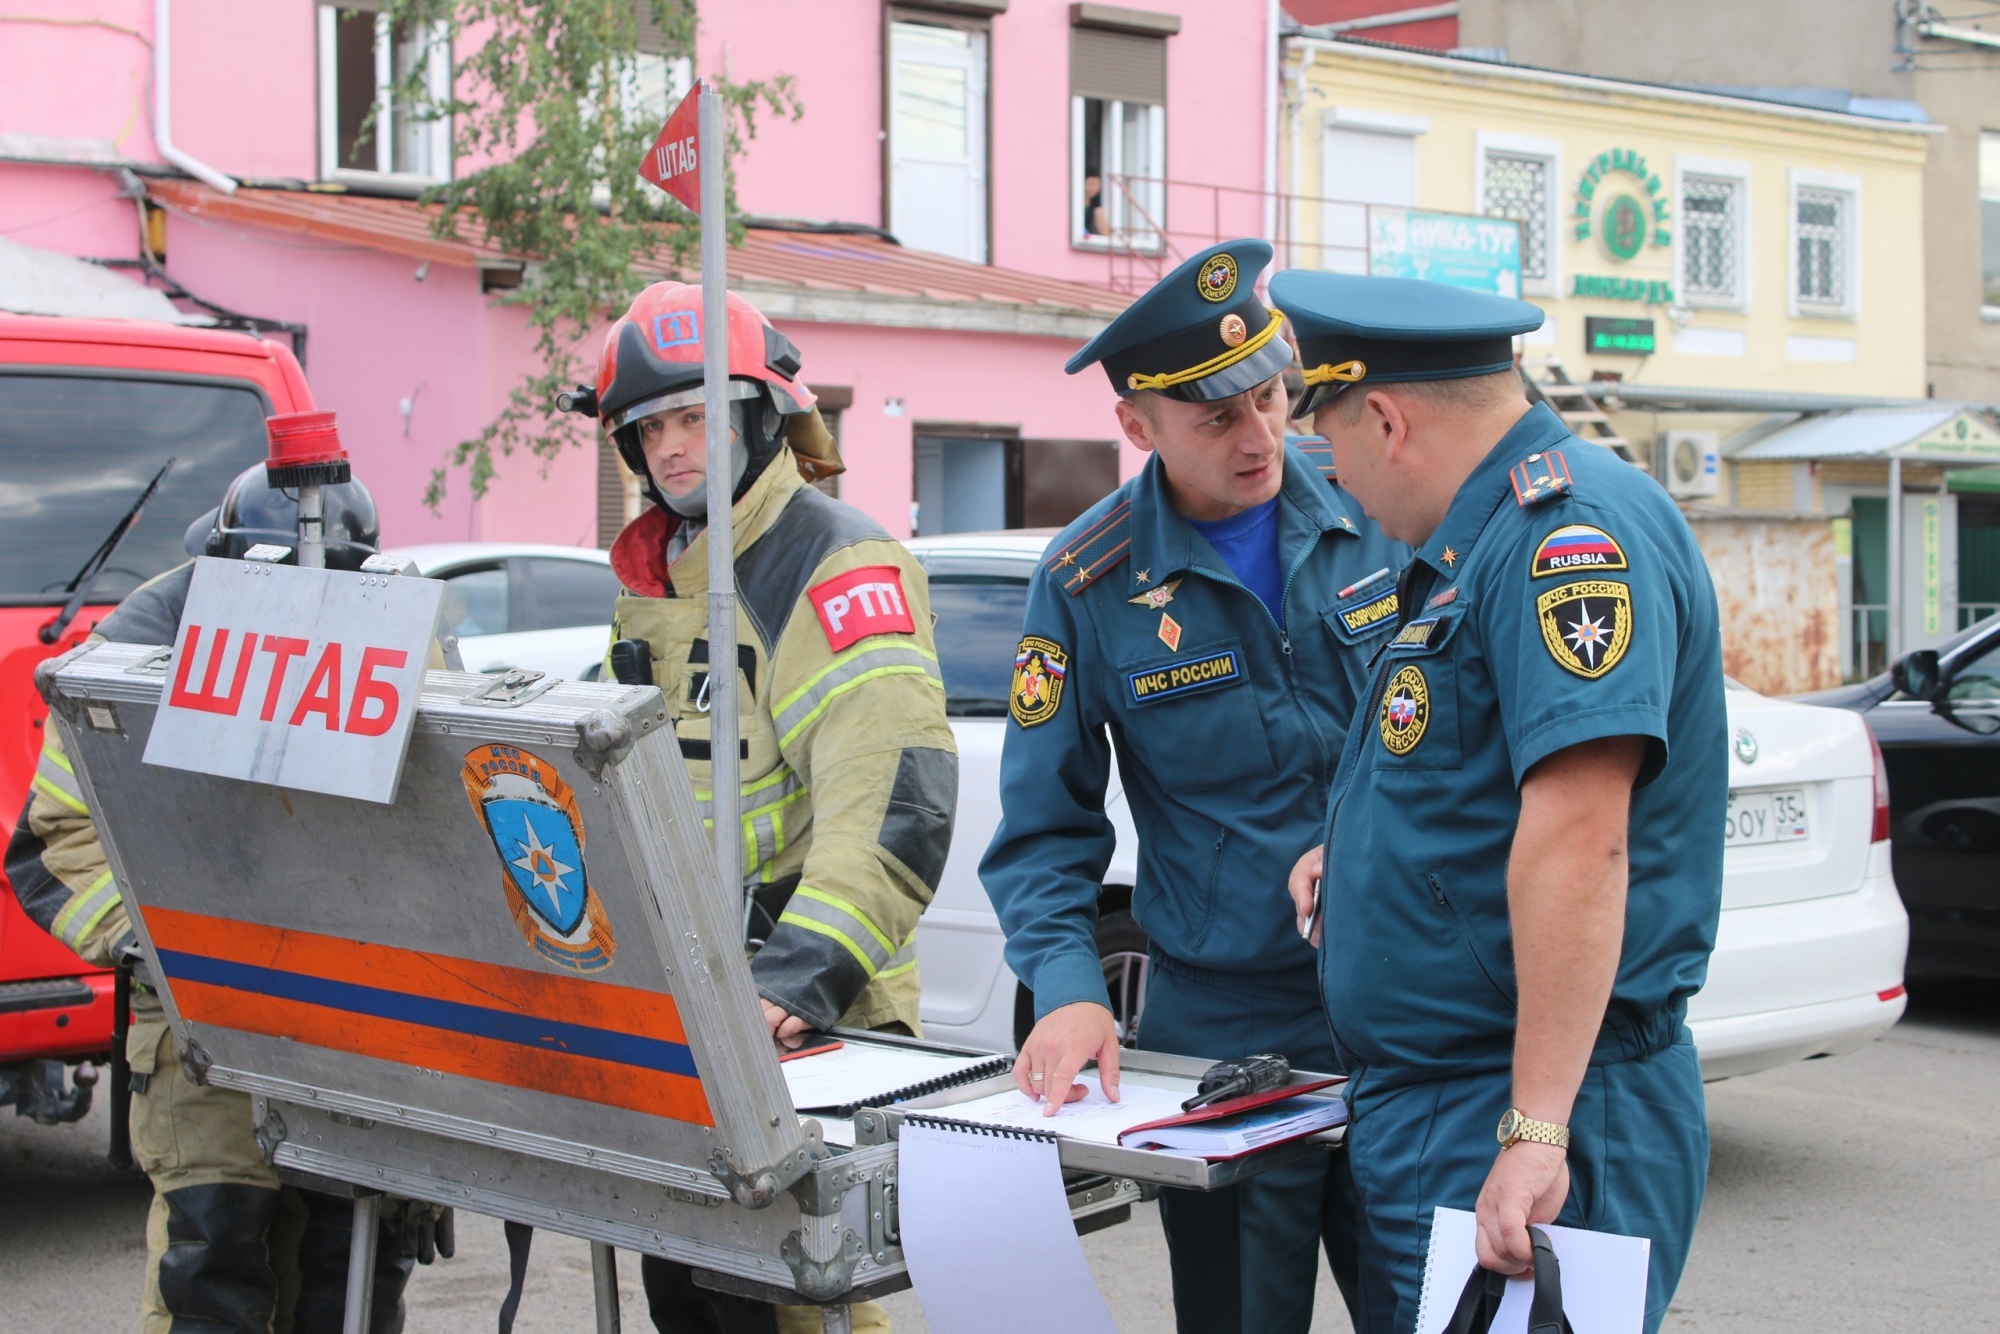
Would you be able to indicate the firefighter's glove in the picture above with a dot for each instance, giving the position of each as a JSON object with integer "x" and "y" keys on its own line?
{"x": 127, "y": 952}
{"x": 423, "y": 1231}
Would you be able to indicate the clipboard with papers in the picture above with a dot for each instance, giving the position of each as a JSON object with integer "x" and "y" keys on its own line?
{"x": 1152, "y": 1087}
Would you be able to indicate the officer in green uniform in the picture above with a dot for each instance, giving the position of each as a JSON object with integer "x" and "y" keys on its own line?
{"x": 1209, "y": 622}
{"x": 1523, "y": 859}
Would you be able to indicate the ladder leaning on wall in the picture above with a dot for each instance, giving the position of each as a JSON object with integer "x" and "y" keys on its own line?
{"x": 1547, "y": 382}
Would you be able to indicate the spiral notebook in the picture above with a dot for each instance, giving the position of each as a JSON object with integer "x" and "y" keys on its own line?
{"x": 987, "y": 1232}
{"x": 854, "y": 1075}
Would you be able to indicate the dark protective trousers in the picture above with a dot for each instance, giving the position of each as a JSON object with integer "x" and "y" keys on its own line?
{"x": 230, "y": 1249}
{"x": 1246, "y": 1258}
{"x": 1638, "y": 1162}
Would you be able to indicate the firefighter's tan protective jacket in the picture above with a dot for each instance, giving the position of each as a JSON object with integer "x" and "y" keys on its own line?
{"x": 54, "y": 861}
{"x": 849, "y": 771}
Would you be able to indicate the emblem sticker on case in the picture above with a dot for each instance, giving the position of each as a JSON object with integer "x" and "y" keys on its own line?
{"x": 530, "y": 815}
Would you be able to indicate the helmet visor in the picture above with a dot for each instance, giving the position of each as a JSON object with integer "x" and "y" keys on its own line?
{"x": 678, "y": 398}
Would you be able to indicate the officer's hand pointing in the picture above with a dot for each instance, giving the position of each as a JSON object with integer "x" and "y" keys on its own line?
{"x": 1056, "y": 1051}
{"x": 1304, "y": 884}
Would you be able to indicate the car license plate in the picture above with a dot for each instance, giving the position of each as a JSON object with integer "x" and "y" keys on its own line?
{"x": 1777, "y": 816}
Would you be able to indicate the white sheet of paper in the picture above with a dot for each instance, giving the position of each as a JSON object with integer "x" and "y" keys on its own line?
{"x": 857, "y": 1072}
{"x": 1095, "y": 1117}
{"x": 987, "y": 1233}
{"x": 1603, "y": 1278}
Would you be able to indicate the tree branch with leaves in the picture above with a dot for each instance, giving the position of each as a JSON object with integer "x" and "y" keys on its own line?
{"x": 557, "y": 103}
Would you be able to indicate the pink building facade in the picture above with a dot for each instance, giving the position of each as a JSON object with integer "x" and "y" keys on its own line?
{"x": 1038, "y": 160}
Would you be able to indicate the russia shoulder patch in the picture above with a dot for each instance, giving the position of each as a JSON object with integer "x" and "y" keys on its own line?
{"x": 862, "y": 602}
{"x": 1577, "y": 546}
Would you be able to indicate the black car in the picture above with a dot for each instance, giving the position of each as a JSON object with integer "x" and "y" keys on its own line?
{"x": 1936, "y": 715}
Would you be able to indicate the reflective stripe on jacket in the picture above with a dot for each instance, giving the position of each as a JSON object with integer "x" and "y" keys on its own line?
{"x": 54, "y": 861}
{"x": 850, "y": 773}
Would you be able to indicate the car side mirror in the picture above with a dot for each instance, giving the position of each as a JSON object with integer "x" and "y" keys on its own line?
{"x": 1917, "y": 674}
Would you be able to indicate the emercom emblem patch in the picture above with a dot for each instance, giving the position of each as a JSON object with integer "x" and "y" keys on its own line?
{"x": 1587, "y": 625}
{"x": 1406, "y": 710}
{"x": 1576, "y": 549}
{"x": 1040, "y": 669}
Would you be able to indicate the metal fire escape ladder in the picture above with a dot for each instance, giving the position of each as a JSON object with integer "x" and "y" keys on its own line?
{"x": 1572, "y": 402}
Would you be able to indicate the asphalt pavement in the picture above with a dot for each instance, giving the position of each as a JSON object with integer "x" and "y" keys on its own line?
{"x": 1846, "y": 1194}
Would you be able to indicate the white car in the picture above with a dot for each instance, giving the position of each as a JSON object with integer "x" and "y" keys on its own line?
{"x": 516, "y": 604}
{"x": 1808, "y": 958}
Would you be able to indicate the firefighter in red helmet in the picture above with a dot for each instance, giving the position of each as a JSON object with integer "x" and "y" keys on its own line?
{"x": 849, "y": 770}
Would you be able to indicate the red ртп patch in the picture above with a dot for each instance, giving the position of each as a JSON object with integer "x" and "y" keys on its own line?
{"x": 860, "y": 603}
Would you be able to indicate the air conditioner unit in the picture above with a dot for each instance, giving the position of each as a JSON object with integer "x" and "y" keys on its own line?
{"x": 1694, "y": 464}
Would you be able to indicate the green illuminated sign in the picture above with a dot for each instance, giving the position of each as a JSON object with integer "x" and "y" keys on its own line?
{"x": 1629, "y": 222}
{"x": 1652, "y": 291}
{"x": 1618, "y": 335}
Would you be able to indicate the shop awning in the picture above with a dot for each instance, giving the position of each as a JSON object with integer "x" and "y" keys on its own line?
{"x": 1947, "y": 433}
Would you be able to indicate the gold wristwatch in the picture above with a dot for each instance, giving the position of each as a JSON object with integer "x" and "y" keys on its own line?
{"x": 1515, "y": 1127}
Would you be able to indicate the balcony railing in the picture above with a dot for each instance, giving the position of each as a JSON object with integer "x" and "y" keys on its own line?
{"x": 1154, "y": 223}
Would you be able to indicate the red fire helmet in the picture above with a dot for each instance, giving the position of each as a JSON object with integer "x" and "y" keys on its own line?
{"x": 652, "y": 358}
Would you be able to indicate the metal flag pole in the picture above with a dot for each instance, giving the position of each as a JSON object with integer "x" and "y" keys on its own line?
{"x": 725, "y": 765}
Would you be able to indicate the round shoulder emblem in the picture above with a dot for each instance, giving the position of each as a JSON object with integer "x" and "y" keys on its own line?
{"x": 1406, "y": 710}
{"x": 1217, "y": 279}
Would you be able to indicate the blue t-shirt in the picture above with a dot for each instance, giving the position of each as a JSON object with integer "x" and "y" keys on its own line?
{"x": 1248, "y": 543}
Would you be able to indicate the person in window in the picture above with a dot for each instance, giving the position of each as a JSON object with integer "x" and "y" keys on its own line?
{"x": 1094, "y": 220}
{"x": 850, "y": 772}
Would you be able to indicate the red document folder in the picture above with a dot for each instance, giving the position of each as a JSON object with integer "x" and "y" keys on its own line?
{"x": 1230, "y": 1107}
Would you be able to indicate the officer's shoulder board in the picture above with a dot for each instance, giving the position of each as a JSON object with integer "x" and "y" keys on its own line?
{"x": 1318, "y": 451}
{"x": 1081, "y": 559}
{"x": 1540, "y": 478}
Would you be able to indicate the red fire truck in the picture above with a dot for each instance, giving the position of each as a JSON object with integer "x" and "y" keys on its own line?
{"x": 90, "y": 413}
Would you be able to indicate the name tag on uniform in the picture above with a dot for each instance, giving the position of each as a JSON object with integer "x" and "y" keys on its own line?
{"x": 1184, "y": 678}
{"x": 1369, "y": 612}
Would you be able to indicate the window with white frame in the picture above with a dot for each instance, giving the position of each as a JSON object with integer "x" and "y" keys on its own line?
{"x": 1118, "y": 172}
{"x": 1711, "y": 238}
{"x": 937, "y": 137}
{"x": 1518, "y": 179}
{"x": 1118, "y": 139}
{"x": 1825, "y": 225}
{"x": 1822, "y": 248}
{"x": 1989, "y": 218}
{"x": 365, "y": 62}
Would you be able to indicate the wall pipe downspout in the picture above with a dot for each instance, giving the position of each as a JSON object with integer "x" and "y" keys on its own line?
{"x": 163, "y": 134}
{"x": 1272, "y": 66}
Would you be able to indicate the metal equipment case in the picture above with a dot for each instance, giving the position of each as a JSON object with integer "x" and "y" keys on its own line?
{"x": 581, "y": 1050}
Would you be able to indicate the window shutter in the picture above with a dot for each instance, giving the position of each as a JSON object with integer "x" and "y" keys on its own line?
{"x": 612, "y": 488}
{"x": 1117, "y": 66}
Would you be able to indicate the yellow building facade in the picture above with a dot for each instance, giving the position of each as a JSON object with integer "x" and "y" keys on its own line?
{"x": 1675, "y": 239}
